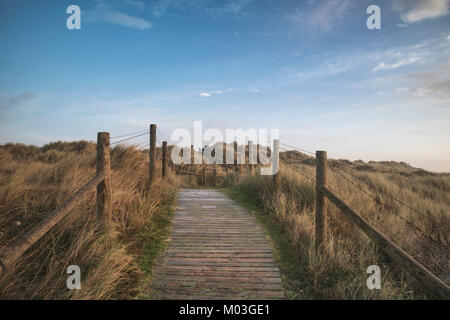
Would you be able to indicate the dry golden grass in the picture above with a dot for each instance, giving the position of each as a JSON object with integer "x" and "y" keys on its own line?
{"x": 33, "y": 181}
{"x": 340, "y": 271}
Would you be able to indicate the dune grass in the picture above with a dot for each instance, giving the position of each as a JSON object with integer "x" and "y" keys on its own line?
{"x": 286, "y": 209}
{"x": 33, "y": 181}
{"x": 118, "y": 264}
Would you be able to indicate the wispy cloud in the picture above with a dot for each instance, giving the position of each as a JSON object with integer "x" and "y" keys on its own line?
{"x": 134, "y": 3}
{"x": 427, "y": 53}
{"x": 234, "y": 8}
{"x": 324, "y": 16}
{"x": 158, "y": 8}
{"x": 434, "y": 82}
{"x": 215, "y": 92}
{"x": 109, "y": 13}
{"x": 412, "y": 11}
{"x": 397, "y": 64}
{"x": 126, "y": 20}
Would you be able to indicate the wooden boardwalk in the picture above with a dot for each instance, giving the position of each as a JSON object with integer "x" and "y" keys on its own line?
{"x": 217, "y": 251}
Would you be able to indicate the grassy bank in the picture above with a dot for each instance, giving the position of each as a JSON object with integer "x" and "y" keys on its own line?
{"x": 33, "y": 181}
{"x": 286, "y": 210}
{"x": 154, "y": 238}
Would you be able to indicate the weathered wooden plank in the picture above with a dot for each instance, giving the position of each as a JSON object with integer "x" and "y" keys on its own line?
{"x": 225, "y": 292}
{"x": 219, "y": 278}
{"x": 219, "y": 260}
{"x": 173, "y": 283}
{"x": 220, "y": 264}
{"x": 220, "y": 255}
{"x": 257, "y": 276}
{"x": 170, "y": 296}
{"x": 217, "y": 250}
{"x": 213, "y": 246}
{"x": 249, "y": 241}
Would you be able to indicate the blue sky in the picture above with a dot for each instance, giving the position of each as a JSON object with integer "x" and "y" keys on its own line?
{"x": 310, "y": 68}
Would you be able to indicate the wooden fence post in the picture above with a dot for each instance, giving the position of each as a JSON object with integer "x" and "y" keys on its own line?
{"x": 215, "y": 175}
{"x": 104, "y": 192}
{"x": 192, "y": 155}
{"x": 152, "y": 153}
{"x": 224, "y": 157}
{"x": 236, "y": 166}
{"x": 204, "y": 176}
{"x": 164, "y": 159}
{"x": 321, "y": 200}
{"x": 275, "y": 160}
{"x": 235, "y": 153}
{"x": 251, "y": 157}
{"x": 258, "y": 160}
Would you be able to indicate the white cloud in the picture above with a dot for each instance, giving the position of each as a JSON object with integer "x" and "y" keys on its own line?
{"x": 393, "y": 61}
{"x": 324, "y": 16}
{"x": 417, "y": 10}
{"x": 396, "y": 64}
{"x": 105, "y": 13}
{"x": 126, "y": 20}
{"x": 135, "y": 3}
{"x": 158, "y": 8}
{"x": 235, "y": 8}
{"x": 214, "y": 92}
{"x": 435, "y": 82}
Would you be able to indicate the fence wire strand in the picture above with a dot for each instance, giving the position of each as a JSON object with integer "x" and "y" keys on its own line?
{"x": 298, "y": 149}
{"x": 144, "y": 146}
{"x": 298, "y": 170}
{"x": 130, "y": 138}
{"x": 381, "y": 191}
{"x": 161, "y": 134}
{"x": 119, "y": 177}
{"x": 129, "y": 134}
{"x": 337, "y": 169}
{"x": 408, "y": 223}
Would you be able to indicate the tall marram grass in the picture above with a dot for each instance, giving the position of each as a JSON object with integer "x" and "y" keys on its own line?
{"x": 33, "y": 181}
{"x": 340, "y": 271}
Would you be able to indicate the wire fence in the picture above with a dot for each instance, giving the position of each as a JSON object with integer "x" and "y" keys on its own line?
{"x": 299, "y": 149}
{"x": 313, "y": 179}
{"x": 130, "y": 138}
{"x": 339, "y": 168}
{"x": 161, "y": 134}
{"x": 341, "y": 172}
{"x": 137, "y": 134}
{"x": 129, "y": 134}
{"x": 144, "y": 146}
